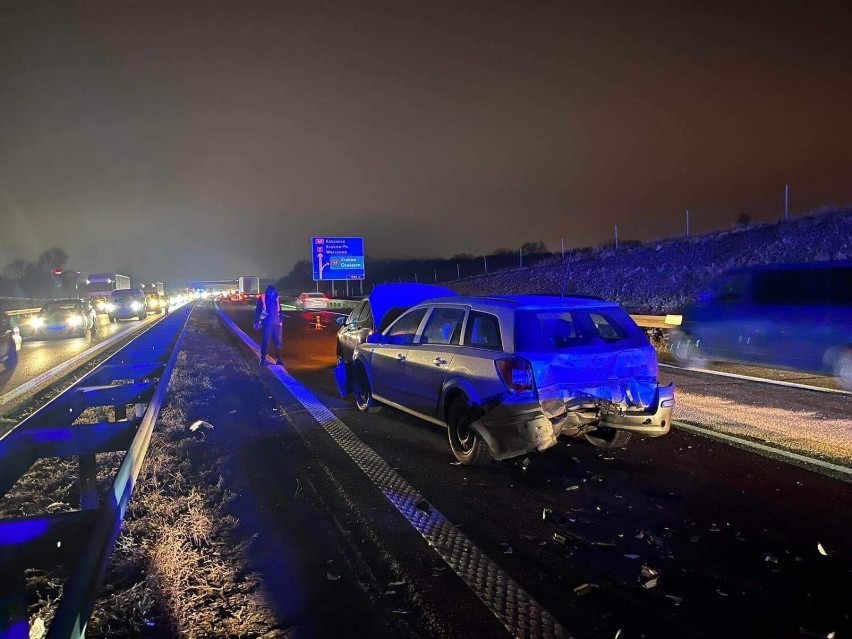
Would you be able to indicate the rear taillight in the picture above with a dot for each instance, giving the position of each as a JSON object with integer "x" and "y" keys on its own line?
{"x": 517, "y": 375}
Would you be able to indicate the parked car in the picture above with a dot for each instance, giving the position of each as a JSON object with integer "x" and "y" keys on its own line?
{"x": 65, "y": 318}
{"x": 127, "y": 304}
{"x": 508, "y": 375}
{"x": 791, "y": 316}
{"x": 312, "y": 302}
{"x": 10, "y": 341}
{"x": 383, "y": 305}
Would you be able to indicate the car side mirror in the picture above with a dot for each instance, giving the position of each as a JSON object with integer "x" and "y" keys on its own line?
{"x": 375, "y": 338}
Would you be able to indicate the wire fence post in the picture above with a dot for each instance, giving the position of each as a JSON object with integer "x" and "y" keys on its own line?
{"x": 485, "y": 261}
{"x": 521, "y": 257}
{"x": 458, "y": 271}
{"x": 563, "y": 248}
{"x": 415, "y": 277}
{"x": 687, "y": 222}
{"x": 786, "y": 200}
{"x": 436, "y": 273}
{"x": 616, "y": 236}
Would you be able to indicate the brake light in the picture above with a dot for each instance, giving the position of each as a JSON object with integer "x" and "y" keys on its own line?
{"x": 517, "y": 375}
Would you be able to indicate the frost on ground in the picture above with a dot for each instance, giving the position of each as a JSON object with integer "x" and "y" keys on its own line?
{"x": 178, "y": 569}
{"x": 662, "y": 277}
{"x": 803, "y": 432}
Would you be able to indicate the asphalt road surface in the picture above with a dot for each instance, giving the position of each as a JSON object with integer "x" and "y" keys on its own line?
{"x": 37, "y": 356}
{"x": 679, "y": 536}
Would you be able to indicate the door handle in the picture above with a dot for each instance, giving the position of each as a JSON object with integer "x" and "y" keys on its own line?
{"x": 400, "y": 357}
{"x": 440, "y": 361}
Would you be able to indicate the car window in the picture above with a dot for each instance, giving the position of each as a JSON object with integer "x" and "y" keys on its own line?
{"x": 443, "y": 326}
{"x": 483, "y": 331}
{"x": 390, "y": 316}
{"x": 355, "y": 315}
{"x": 366, "y": 319}
{"x": 549, "y": 331}
{"x": 405, "y": 328}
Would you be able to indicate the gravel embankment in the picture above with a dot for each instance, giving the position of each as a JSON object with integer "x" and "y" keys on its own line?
{"x": 661, "y": 277}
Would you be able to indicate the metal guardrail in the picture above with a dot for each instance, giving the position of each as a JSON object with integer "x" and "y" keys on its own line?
{"x": 137, "y": 375}
{"x": 23, "y": 311}
{"x": 658, "y": 321}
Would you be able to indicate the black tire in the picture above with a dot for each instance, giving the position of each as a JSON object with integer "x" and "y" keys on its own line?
{"x": 363, "y": 394}
{"x": 142, "y": 316}
{"x": 111, "y": 319}
{"x": 94, "y": 330}
{"x": 608, "y": 438}
{"x": 467, "y": 447}
{"x": 843, "y": 369}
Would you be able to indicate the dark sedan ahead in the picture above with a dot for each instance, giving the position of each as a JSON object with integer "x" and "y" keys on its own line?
{"x": 65, "y": 318}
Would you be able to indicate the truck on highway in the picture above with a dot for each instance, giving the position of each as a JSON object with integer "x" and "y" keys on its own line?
{"x": 99, "y": 286}
{"x": 249, "y": 288}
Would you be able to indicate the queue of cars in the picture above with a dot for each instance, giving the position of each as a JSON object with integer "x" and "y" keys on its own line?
{"x": 506, "y": 375}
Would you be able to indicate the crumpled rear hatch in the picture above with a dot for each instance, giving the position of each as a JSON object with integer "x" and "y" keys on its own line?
{"x": 626, "y": 377}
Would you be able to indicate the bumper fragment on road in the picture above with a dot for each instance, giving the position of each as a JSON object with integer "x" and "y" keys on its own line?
{"x": 519, "y": 613}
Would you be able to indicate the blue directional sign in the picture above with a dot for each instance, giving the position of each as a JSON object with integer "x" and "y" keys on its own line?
{"x": 338, "y": 258}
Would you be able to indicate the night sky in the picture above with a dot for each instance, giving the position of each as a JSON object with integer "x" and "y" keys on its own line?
{"x": 200, "y": 139}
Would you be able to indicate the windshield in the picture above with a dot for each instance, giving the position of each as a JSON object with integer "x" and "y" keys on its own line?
{"x": 58, "y": 307}
{"x": 563, "y": 329}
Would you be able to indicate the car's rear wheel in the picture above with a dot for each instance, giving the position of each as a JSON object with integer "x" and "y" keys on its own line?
{"x": 111, "y": 319}
{"x": 363, "y": 393}
{"x": 608, "y": 438}
{"x": 843, "y": 369}
{"x": 467, "y": 447}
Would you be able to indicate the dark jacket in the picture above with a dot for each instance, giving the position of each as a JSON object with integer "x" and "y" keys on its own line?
{"x": 273, "y": 309}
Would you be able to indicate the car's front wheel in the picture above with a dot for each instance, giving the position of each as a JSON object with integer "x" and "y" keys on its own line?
{"x": 467, "y": 447}
{"x": 608, "y": 438}
{"x": 687, "y": 352}
{"x": 111, "y": 319}
{"x": 363, "y": 393}
{"x": 12, "y": 354}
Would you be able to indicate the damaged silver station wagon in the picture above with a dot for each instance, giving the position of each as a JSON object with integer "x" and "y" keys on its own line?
{"x": 509, "y": 375}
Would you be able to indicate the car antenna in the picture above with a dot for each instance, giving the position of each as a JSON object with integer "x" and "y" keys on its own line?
{"x": 565, "y": 276}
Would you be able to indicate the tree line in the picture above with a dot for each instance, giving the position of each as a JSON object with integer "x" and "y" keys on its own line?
{"x": 45, "y": 277}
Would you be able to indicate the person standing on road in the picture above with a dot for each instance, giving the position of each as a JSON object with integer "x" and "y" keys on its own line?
{"x": 267, "y": 319}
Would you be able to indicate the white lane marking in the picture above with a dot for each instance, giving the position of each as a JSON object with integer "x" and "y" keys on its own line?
{"x": 519, "y": 613}
{"x": 762, "y": 380}
{"x": 769, "y": 451}
{"x": 45, "y": 377}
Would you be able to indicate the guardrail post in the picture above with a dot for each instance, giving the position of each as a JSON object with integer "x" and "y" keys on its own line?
{"x": 88, "y": 482}
{"x": 14, "y": 622}
{"x": 120, "y": 412}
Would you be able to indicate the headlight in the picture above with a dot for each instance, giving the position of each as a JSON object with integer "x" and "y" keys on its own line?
{"x": 136, "y": 306}
{"x": 154, "y": 303}
{"x": 110, "y": 308}
{"x": 75, "y": 320}
{"x": 102, "y": 306}
{"x": 36, "y": 322}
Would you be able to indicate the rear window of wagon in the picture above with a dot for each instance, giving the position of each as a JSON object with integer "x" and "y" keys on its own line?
{"x": 553, "y": 330}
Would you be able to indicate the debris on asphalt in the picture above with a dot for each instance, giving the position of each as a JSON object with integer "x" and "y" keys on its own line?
{"x": 573, "y": 487}
{"x": 455, "y": 463}
{"x": 648, "y": 572}
{"x": 770, "y": 559}
{"x": 714, "y": 528}
{"x": 694, "y": 539}
{"x": 597, "y": 478}
{"x": 675, "y": 599}
{"x": 651, "y": 583}
{"x": 739, "y": 536}
{"x": 232, "y": 412}
{"x": 584, "y": 589}
{"x": 198, "y": 424}
{"x": 395, "y": 584}
{"x": 632, "y": 556}
{"x": 400, "y": 611}
{"x": 331, "y": 576}
{"x": 508, "y": 551}
{"x": 298, "y": 488}
{"x": 721, "y": 593}
{"x": 562, "y": 539}
{"x": 822, "y": 550}
{"x": 604, "y": 544}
